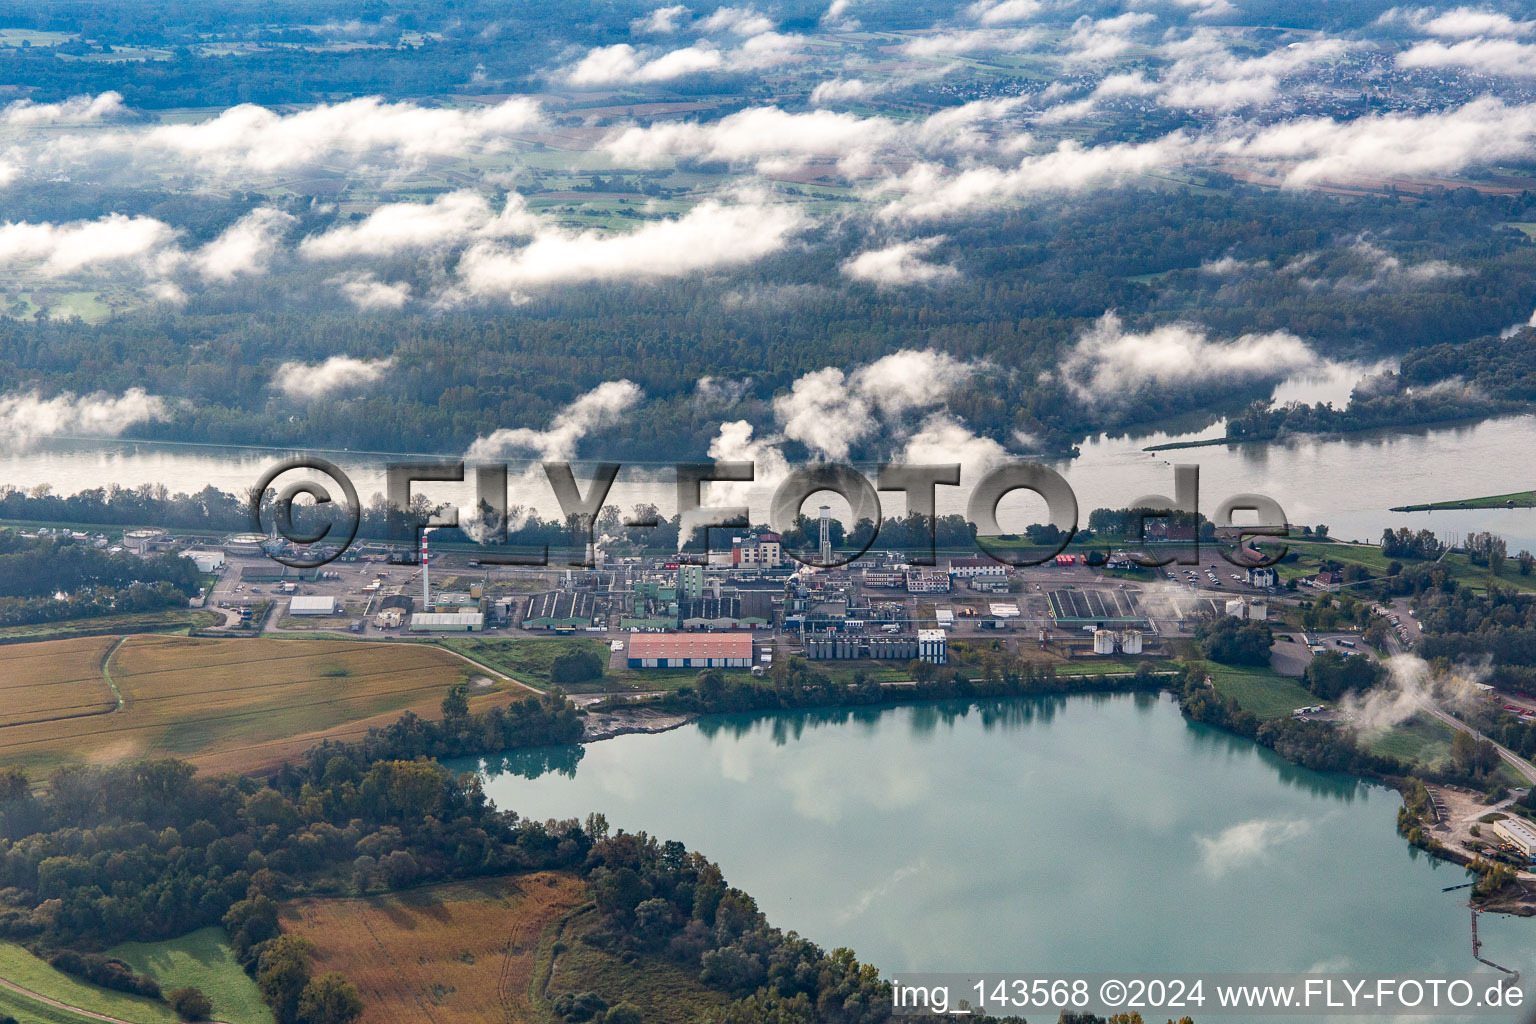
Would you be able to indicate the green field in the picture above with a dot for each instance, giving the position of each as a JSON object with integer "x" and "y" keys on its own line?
{"x": 204, "y": 960}
{"x": 1516, "y": 499}
{"x": 1423, "y": 741}
{"x": 22, "y": 968}
{"x": 1261, "y": 691}
{"x": 1370, "y": 556}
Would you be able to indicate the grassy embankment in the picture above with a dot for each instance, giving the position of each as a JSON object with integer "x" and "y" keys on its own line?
{"x": 1518, "y": 499}
{"x": 171, "y": 620}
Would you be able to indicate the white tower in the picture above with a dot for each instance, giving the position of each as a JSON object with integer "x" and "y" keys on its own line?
{"x": 426, "y": 575}
{"x": 826, "y": 535}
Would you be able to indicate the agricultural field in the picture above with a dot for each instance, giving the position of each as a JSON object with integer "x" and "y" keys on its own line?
{"x": 465, "y": 951}
{"x": 20, "y": 967}
{"x": 55, "y": 680}
{"x": 204, "y": 960}
{"x": 239, "y": 704}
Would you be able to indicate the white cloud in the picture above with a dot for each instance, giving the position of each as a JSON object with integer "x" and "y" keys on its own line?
{"x": 1489, "y": 56}
{"x": 621, "y": 62}
{"x": 778, "y": 140}
{"x": 900, "y": 264}
{"x": 829, "y": 411}
{"x": 252, "y": 138}
{"x": 1459, "y": 22}
{"x": 932, "y": 191}
{"x": 662, "y": 21}
{"x": 836, "y": 17}
{"x": 1002, "y": 12}
{"x": 1319, "y": 148}
{"x": 1092, "y": 41}
{"x": 308, "y": 381}
{"x": 1207, "y": 8}
{"x": 836, "y": 89}
{"x": 75, "y": 110}
{"x": 58, "y": 249}
{"x": 976, "y": 40}
{"x": 601, "y": 407}
{"x": 739, "y": 21}
{"x": 450, "y": 219}
{"x": 712, "y": 235}
{"x": 734, "y": 443}
{"x": 1248, "y": 843}
{"x": 1108, "y": 362}
{"x": 26, "y": 416}
{"x": 245, "y": 247}
{"x": 367, "y": 292}
{"x": 1207, "y": 76}
{"x": 943, "y": 439}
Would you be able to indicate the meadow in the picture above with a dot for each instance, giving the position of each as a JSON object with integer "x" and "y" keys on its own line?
{"x": 204, "y": 960}
{"x": 20, "y": 967}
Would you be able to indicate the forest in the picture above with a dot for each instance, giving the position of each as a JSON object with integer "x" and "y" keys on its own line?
{"x": 1034, "y": 282}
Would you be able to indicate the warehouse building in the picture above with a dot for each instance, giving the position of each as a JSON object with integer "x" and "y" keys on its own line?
{"x": 276, "y": 572}
{"x": 561, "y": 609}
{"x": 1519, "y": 833}
{"x": 206, "y": 561}
{"x": 690, "y": 650}
{"x": 312, "y": 606}
{"x": 447, "y": 622}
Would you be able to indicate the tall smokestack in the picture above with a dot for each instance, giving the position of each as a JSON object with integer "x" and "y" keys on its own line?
{"x": 826, "y": 535}
{"x": 426, "y": 575}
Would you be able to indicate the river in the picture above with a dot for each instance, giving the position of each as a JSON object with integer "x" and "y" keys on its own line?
{"x": 1086, "y": 833}
{"x": 1347, "y": 482}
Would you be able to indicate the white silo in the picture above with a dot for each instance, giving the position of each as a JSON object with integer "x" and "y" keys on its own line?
{"x": 1258, "y": 610}
{"x": 1103, "y": 641}
{"x": 1130, "y": 641}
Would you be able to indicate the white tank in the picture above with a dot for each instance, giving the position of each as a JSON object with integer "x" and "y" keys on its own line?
{"x": 1103, "y": 642}
{"x": 1130, "y": 641}
{"x": 1235, "y": 608}
{"x": 1258, "y": 610}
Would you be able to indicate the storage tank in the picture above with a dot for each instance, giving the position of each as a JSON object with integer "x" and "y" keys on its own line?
{"x": 1130, "y": 641}
{"x": 1258, "y": 610}
{"x": 1103, "y": 642}
{"x": 244, "y": 544}
{"x": 1235, "y": 608}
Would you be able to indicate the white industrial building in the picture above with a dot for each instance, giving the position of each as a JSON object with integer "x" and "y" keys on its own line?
{"x": 312, "y": 606}
{"x": 206, "y": 561}
{"x": 974, "y": 568}
{"x": 932, "y": 646}
{"x": 1519, "y": 833}
{"x": 1240, "y": 608}
{"x": 447, "y": 622}
{"x": 927, "y": 581}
